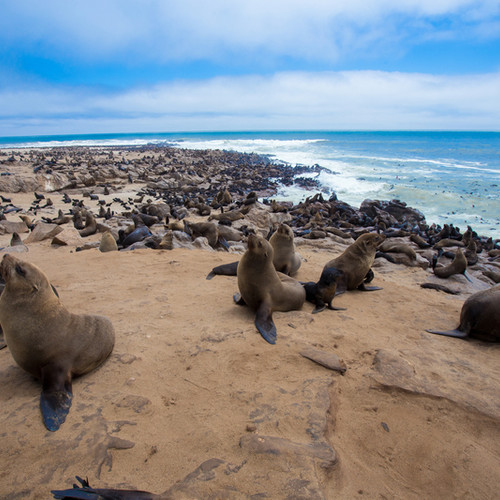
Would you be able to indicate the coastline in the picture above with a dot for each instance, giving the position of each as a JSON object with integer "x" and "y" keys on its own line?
{"x": 191, "y": 380}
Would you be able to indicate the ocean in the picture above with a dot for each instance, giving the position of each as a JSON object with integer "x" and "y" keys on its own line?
{"x": 452, "y": 177}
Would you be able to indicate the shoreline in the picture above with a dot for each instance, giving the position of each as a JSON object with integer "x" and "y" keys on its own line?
{"x": 193, "y": 402}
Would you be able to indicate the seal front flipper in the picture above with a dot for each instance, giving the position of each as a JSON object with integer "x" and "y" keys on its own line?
{"x": 450, "y": 333}
{"x": 55, "y": 400}
{"x": 265, "y": 324}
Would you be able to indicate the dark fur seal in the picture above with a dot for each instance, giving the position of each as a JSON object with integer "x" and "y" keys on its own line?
{"x": 46, "y": 340}
{"x": 322, "y": 293}
{"x": 479, "y": 318}
{"x": 263, "y": 289}
{"x": 356, "y": 262}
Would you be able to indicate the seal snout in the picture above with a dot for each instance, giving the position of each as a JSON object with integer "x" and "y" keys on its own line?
{"x": 6, "y": 265}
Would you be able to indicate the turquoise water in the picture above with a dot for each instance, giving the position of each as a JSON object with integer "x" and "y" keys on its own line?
{"x": 451, "y": 177}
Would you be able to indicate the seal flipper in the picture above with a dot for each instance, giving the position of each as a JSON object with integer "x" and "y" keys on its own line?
{"x": 450, "y": 333}
{"x": 55, "y": 400}
{"x": 224, "y": 270}
{"x": 238, "y": 299}
{"x": 265, "y": 324}
{"x": 364, "y": 288}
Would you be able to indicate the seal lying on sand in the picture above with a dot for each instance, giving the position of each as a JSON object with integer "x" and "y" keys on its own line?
{"x": 479, "y": 318}
{"x": 356, "y": 263}
{"x": 46, "y": 340}
{"x": 263, "y": 289}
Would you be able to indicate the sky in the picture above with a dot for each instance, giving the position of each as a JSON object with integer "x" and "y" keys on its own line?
{"x": 125, "y": 66}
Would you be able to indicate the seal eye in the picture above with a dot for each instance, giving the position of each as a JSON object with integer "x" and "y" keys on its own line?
{"x": 20, "y": 271}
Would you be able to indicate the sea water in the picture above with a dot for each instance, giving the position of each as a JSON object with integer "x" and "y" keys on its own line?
{"x": 452, "y": 177}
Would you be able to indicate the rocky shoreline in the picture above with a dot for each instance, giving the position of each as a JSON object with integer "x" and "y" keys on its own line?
{"x": 181, "y": 195}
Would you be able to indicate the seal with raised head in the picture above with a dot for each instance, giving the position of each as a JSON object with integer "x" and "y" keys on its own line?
{"x": 46, "y": 340}
{"x": 479, "y": 317}
{"x": 356, "y": 262}
{"x": 285, "y": 259}
{"x": 265, "y": 290}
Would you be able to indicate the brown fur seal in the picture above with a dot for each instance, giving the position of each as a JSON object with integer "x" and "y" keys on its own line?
{"x": 108, "y": 242}
{"x": 356, "y": 262}
{"x": 479, "y": 318}
{"x": 263, "y": 289}
{"x": 90, "y": 225}
{"x": 458, "y": 266}
{"x": 285, "y": 259}
{"x": 322, "y": 293}
{"x": 46, "y": 340}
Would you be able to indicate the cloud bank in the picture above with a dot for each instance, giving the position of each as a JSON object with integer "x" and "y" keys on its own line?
{"x": 349, "y": 100}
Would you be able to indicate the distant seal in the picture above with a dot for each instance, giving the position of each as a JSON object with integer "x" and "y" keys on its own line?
{"x": 46, "y": 340}
{"x": 356, "y": 262}
{"x": 285, "y": 259}
{"x": 457, "y": 266}
{"x": 322, "y": 293}
{"x": 263, "y": 289}
{"x": 90, "y": 225}
{"x": 139, "y": 233}
{"x": 479, "y": 317}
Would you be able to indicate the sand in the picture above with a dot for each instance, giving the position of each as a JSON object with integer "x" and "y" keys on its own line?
{"x": 191, "y": 383}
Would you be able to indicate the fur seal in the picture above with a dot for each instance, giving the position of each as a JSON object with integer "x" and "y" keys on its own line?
{"x": 322, "y": 293}
{"x": 356, "y": 261}
{"x": 263, "y": 289}
{"x": 479, "y": 317}
{"x": 458, "y": 266}
{"x": 285, "y": 259}
{"x": 108, "y": 242}
{"x": 46, "y": 340}
{"x": 90, "y": 225}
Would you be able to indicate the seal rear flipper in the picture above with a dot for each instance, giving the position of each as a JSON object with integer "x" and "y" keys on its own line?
{"x": 224, "y": 270}
{"x": 364, "y": 288}
{"x": 450, "y": 333}
{"x": 223, "y": 242}
{"x": 238, "y": 299}
{"x": 56, "y": 397}
{"x": 467, "y": 277}
{"x": 333, "y": 308}
{"x": 265, "y": 324}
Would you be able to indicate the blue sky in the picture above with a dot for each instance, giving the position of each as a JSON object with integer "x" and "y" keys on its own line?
{"x": 149, "y": 65}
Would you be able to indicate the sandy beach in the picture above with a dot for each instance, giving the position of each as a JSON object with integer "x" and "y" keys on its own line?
{"x": 195, "y": 404}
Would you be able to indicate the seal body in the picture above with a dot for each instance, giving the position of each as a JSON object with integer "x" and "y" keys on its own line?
{"x": 45, "y": 339}
{"x": 265, "y": 290}
{"x": 479, "y": 317}
{"x": 285, "y": 259}
{"x": 356, "y": 262}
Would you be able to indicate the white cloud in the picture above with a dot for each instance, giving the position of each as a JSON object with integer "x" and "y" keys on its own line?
{"x": 161, "y": 31}
{"x": 294, "y": 100}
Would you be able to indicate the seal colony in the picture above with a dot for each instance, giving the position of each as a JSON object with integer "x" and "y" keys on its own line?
{"x": 166, "y": 211}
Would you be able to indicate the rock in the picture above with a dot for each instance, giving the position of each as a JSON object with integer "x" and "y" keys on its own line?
{"x": 395, "y": 208}
{"x": 43, "y": 231}
{"x": 279, "y": 446}
{"x": 327, "y": 359}
{"x": 9, "y": 227}
{"x": 68, "y": 236}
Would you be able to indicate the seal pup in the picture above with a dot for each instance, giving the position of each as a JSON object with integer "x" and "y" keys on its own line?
{"x": 285, "y": 259}
{"x": 46, "y": 340}
{"x": 457, "y": 266}
{"x": 265, "y": 290}
{"x": 322, "y": 293}
{"x": 479, "y": 317}
{"x": 356, "y": 262}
